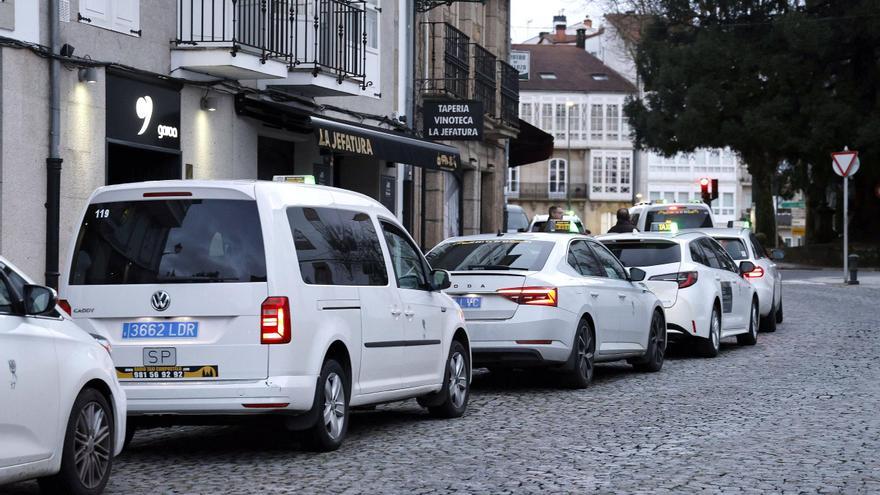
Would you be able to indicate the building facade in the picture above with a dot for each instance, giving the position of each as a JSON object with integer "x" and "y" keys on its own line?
{"x": 319, "y": 89}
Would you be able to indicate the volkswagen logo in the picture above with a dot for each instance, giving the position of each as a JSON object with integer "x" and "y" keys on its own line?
{"x": 160, "y": 300}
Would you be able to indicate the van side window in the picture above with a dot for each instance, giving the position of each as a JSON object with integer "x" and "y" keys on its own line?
{"x": 409, "y": 266}
{"x": 337, "y": 247}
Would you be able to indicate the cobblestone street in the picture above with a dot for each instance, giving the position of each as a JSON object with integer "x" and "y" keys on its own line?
{"x": 798, "y": 413}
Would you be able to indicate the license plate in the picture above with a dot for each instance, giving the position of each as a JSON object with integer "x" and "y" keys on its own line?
{"x": 160, "y": 356}
{"x": 160, "y": 330}
{"x": 469, "y": 302}
{"x": 166, "y": 372}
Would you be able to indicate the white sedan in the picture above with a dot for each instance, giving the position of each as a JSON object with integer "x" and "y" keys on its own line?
{"x": 62, "y": 411}
{"x": 552, "y": 300}
{"x": 703, "y": 290}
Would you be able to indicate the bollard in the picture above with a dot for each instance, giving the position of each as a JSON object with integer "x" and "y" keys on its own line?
{"x": 853, "y": 269}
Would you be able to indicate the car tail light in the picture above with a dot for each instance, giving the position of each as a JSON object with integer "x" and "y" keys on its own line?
{"x": 64, "y": 305}
{"x": 534, "y": 296}
{"x": 684, "y": 279}
{"x": 758, "y": 272}
{"x": 275, "y": 321}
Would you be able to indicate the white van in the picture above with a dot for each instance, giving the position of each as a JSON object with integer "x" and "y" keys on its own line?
{"x": 228, "y": 298}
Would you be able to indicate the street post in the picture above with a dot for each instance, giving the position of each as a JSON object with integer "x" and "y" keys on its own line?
{"x": 845, "y": 164}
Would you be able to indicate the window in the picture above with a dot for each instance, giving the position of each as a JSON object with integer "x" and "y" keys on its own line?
{"x": 372, "y": 23}
{"x": 598, "y": 174}
{"x": 561, "y": 122}
{"x": 168, "y": 242}
{"x": 599, "y": 76}
{"x": 596, "y": 122}
{"x": 582, "y": 259}
{"x": 337, "y": 247}
{"x": 727, "y": 204}
{"x": 682, "y": 197}
{"x": 724, "y": 258}
{"x": 735, "y": 248}
{"x": 613, "y": 268}
{"x": 525, "y": 112}
{"x": 654, "y": 196}
{"x": 491, "y": 254}
{"x": 711, "y": 254}
{"x": 757, "y": 247}
{"x": 625, "y": 174}
{"x": 7, "y": 305}
{"x": 689, "y": 217}
{"x": 556, "y": 178}
{"x": 116, "y": 15}
{"x": 611, "y": 174}
{"x": 669, "y": 197}
{"x": 410, "y": 268}
{"x": 547, "y": 117}
{"x": 513, "y": 180}
{"x": 547, "y": 75}
{"x": 697, "y": 253}
{"x": 612, "y": 122}
{"x": 645, "y": 253}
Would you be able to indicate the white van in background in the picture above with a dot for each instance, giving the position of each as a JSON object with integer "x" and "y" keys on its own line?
{"x": 228, "y": 298}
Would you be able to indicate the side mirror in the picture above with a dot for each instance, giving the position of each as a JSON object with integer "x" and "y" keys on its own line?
{"x": 636, "y": 274}
{"x": 39, "y": 300}
{"x": 440, "y": 280}
{"x": 777, "y": 254}
{"x": 746, "y": 267}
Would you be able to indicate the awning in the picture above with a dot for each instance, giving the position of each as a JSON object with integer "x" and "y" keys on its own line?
{"x": 354, "y": 139}
{"x": 530, "y": 146}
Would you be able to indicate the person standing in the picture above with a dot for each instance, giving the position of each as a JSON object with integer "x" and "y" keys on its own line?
{"x": 624, "y": 224}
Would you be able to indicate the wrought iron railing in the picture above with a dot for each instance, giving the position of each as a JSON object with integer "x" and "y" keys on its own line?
{"x": 509, "y": 94}
{"x": 320, "y": 35}
{"x": 484, "y": 79}
{"x": 455, "y": 61}
{"x": 547, "y": 191}
{"x": 447, "y": 61}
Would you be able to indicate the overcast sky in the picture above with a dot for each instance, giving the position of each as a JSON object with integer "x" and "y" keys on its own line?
{"x": 530, "y": 17}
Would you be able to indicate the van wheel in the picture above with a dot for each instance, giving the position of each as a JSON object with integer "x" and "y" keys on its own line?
{"x": 87, "y": 454}
{"x": 457, "y": 379}
{"x": 751, "y": 338}
{"x": 332, "y": 398}
{"x": 582, "y": 354}
{"x": 710, "y": 347}
{"x": 653, "y": 359}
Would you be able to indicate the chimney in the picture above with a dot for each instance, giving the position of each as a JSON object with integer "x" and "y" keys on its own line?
{"x": 588, "y": 23}
{"x": 581, "y": 38}
{"x": 559, "y": 23}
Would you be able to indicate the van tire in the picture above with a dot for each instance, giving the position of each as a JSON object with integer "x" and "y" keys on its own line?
{"x": 332, "y": 394}
{"x": 89, "y": 406}
{"x": 456, "y": 389}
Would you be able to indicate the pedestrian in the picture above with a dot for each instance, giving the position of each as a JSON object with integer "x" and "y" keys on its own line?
{"x": 553, "y": 214}
{"x": 624, "y": 224}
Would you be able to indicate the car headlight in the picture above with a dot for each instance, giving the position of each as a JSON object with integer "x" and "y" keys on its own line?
{"x": 104, "y": 342}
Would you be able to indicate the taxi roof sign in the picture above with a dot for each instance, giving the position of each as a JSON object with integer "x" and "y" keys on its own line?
{"x": 297, "y": 179}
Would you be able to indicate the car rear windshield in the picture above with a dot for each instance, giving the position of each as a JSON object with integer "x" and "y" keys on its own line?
{"x": 169, "y": 241}
{"x": 684, "y": 217}
{"x": 645, "y": 253}
{"x": 491, "y": 254}
{"x": 735, "y": 248}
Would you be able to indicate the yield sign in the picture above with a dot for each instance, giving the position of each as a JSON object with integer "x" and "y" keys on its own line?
{"x": 845, "y": 163}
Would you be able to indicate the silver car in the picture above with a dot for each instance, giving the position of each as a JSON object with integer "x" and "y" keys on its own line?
{"x": 743, "y": 245}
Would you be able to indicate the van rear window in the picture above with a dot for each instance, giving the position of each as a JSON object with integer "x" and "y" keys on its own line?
{"x": 169, "y": 241}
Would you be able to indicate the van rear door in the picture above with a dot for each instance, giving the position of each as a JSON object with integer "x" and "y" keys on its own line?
{"x": 175, "y": 279}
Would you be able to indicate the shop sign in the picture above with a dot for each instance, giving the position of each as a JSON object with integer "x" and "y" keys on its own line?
{"x": 345, "y": 142}
{"x": 143, "y": 113}
{"x": 453, "y": 120}
{"x": 520, "y": 61}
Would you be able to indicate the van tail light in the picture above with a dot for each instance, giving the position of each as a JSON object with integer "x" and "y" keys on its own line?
{"x": 533, "y": 296}
{"x": 65, "y": 306}
{"x": 684, "y": 279}
{"x": 758, "y": 272}
{"x": 275, "y": 321}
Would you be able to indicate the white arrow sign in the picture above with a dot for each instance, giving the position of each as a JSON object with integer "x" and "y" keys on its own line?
{"x": 845, "y": 163}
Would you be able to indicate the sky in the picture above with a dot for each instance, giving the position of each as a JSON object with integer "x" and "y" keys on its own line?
{"x": 530, "y": 17}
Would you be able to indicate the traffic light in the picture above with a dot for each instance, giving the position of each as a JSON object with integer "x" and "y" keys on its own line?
{"x": 708, "y": 190}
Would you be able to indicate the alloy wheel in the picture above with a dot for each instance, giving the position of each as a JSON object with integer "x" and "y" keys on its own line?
{"x": 457, "y": 379}
{"x": 92, "y": 445}
{"x": 716, "y": 331}
{"x": 584, "y": 354}
{"x": 658, "y": 339}
{"x": 334, "y": 405}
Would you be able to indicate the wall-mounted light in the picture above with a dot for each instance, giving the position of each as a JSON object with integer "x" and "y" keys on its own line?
{"x": 209, "y": 103}
{"x": 88, "y": 75}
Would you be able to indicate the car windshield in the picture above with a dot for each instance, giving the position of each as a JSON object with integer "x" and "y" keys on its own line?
{"x": 169, "y": 241}
{"x": 685, "y": 217}
{"x": 735, "y": 248}
{"x": 491, "y": 254}
{"x": 645, "y": 253}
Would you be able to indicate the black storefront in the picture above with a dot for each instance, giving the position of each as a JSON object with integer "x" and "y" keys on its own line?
{"x": 143, "y": 129}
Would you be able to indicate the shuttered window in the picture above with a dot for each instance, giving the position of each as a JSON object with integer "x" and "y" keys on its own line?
{"x": 122, "y": 16}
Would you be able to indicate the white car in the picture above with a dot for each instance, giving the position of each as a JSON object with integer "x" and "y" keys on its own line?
{"x": 651, "y": 217}
{"x": 569, "y": 223}
{"x": 704, "y": 293}
{"x": 743, "y": 245}
{"x": 231, "y": 298}
{"x": 541, "y": 299}
{"x": 62, "y": 411}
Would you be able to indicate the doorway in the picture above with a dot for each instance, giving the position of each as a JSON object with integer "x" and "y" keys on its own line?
{"x": 274, "y": 157}
{"x": 127, "y": 164}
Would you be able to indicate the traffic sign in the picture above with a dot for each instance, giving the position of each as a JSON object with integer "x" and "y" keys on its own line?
{"x": 845, "y": 163}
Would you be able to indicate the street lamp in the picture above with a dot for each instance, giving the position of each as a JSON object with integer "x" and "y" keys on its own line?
{"x": 568, "y": 106}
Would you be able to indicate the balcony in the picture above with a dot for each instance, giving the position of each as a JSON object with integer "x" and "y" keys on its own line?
{"x": 540, "y": 191}
{"x": 447, "y": 68}
{"x": 484, "y": 79}
{"x": 317, "y": 47}
{"x": 509, "y": 94}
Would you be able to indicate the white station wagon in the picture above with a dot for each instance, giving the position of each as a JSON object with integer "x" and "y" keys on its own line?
{"x": 228, "y": 298}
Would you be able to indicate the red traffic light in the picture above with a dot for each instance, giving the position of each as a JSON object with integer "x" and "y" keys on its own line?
{"x": 704, "y": 182}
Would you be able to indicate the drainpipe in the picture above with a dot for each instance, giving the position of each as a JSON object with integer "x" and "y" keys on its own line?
{"x": 53, "y": 162}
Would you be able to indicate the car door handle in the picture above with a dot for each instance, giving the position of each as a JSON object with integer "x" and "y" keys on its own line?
{"x": 395, "y": 311}
{"x": 409, "y": 313}
{"x": 594, "y": 294}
